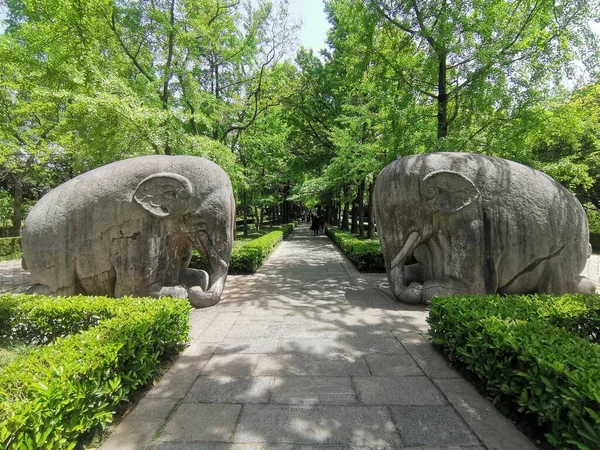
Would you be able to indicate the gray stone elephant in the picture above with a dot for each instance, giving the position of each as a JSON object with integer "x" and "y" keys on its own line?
{"x": 128, "y": 228}
{"x": 478, "y": 225}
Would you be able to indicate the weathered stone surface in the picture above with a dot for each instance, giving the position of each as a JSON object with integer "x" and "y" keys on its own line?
{"x": 417, "y": 390}
{"x": 139, "y": 427}
{"x": 128, "y": 228}
{"x": 230, "y": 390}
{"x": 201, "y": 422}
{"x": 301, "y": 365}
{"x": 232, "y": 365}
{"x": 493, "y": 429}
{"x": 367, "y": 426}
{"x": 427, "y": 425}
{"x": 478, "y": 225}
{"x": 392, "y": 365}
{"x": 313, "y": 390}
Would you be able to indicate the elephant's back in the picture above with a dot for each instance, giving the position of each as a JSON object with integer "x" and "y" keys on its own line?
{"x": 528, "y": 212}
{"x": 91, "y": 205}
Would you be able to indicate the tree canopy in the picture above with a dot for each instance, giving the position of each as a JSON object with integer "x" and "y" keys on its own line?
{"x": 86, "y": 83}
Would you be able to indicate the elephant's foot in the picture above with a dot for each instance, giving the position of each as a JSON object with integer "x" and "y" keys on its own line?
{"x": 201, "y": 299}
{"x": 40, "y": 289}
{"x": 445, "y": 287}
{"x": 198, "y": 297}
{"x": 585, "y": 286}
{"x": 173, "y": 291}
{"x": 412, "y": 294}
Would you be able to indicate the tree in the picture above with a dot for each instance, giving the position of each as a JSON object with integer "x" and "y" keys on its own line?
{"x": 473, "y": 58}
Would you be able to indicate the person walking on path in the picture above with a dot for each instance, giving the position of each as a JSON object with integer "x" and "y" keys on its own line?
{"x": 315, "y": 224}
{"x": 321, "y": 222}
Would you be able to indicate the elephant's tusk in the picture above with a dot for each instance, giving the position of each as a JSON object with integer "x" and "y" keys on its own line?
{"x": 408, "y": 246}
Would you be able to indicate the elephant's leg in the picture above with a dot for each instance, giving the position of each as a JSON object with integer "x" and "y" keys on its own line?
{"x": 585, "y": 286}
{"x": 40, "y": 289}
{"x": 171, "y": 291}
{"x": 444, "y": 287}
{"x": 194, "y": 277}
{"x": 414, "y": 273}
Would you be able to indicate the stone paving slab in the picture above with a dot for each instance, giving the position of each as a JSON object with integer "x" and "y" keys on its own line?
{"x": 314, "y": 390}
{"x": 370, "y": 426}
{"x": 309, "y": 354}
{"x": 427, "y": 425}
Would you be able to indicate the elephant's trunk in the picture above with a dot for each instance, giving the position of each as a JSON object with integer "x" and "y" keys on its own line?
{"x": 201, "y": 299}
{"x": 198, "y": 295}
{"x": 397, "y": 276}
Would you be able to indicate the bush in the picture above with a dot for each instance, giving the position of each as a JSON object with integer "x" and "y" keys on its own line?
{"x": 593, "y": 215}
{"x": 533, "y": 350}
{"x": 248, "y": 256}
{"x": 10, "y": 248}
{"x": 365, "y": 254}
{"x": 56, "y": 395}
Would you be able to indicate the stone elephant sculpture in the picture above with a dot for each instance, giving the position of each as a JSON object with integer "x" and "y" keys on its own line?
{"x": 128, "y": 228}
{"x": 478, "y": 225}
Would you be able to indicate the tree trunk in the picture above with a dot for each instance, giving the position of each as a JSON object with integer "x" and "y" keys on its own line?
{"x": 344, "y": 224}
{"x": 262, "y": 217}
{"x": 361, "y": 209}
{"x": 345, "y": 214}
{"x": 442, "y": 99}
{"x": 245, "y": 212}
{"x": 354, "y": 220}
{"x": 17, "y": 204}
{"x": 256, "y": 222}
{"x": 284, "y": 212}
{"x": 273, "y": 214}
{"x": 371, "y": 221}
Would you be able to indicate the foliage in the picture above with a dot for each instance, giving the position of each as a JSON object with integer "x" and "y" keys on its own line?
{"x": 593, "y": 215}
{"x": 57, "y": 394}
{"x": 365, "y": 254}
{"x": 10, "y": 248}
{"x": 6, "y": 208}
{"x": 566, "y": 143}
{"x": 536, "y": 351}
{"x": 248, "y": 256}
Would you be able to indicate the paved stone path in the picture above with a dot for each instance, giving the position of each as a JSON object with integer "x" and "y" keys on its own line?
{"x": 309, "y": 354}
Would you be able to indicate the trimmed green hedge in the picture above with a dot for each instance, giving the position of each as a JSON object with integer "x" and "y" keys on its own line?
{"x": 249, "y": 256}
{"x": 541, "y": 352}
{"x": 10, "y": 248}
{"x": 365, "y": 254}
{"x": 57, "y": 394}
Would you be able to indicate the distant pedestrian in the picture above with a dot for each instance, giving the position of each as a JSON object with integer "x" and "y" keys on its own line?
{"x": 321, "y": 222}
{"x": 314, "y": 226}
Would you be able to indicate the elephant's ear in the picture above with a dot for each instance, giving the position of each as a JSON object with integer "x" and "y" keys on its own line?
{"x": 164, "y": 194}
{"x": 448, "y": 191}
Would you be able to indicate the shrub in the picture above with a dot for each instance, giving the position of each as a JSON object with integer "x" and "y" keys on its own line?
{"x": 593, "y": 215}
{"x": 248, "y": 256}
{"x": 55, "y": 395}
{"x": 365, "y": 254}
{"x": 10, "y": 248}
{"x": 533, "y": 350}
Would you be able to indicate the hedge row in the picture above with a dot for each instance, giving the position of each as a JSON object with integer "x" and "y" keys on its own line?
{"x": 365, "y": 254}
{"x": 10, "y": 247}
{"x": 541, "y": 352}
{"x": 249, "y": 256}
{"x": 57, "y": 394}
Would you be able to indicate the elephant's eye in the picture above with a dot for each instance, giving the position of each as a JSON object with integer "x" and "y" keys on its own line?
{"x": 431, "y": 192}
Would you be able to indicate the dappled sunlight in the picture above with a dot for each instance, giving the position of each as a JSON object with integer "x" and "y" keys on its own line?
{"x": 308, "y": 352}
